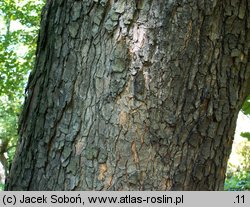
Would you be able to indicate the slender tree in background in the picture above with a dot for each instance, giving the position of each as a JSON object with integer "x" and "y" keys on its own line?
{"x": 19, "y": 23}
{"x": 133, "y": 95}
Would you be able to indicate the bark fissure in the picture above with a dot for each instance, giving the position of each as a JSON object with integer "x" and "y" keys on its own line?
{"x": 133, "y": 95}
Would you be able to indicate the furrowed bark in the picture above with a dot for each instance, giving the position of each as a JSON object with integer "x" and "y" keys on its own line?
{"x": 133, "y": 95}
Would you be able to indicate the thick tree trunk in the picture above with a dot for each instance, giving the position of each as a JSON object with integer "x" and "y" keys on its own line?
{"x": 133, "y": 95}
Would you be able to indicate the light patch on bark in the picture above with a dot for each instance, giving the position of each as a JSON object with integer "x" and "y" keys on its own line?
{"x": 138, "y": 96}
{"x": 134, "y": 152}
{"x": 123, "y": 118}
{"x": 102, "y": 170}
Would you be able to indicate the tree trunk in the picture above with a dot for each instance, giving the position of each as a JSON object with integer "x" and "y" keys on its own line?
{"x": 133, "y": 95}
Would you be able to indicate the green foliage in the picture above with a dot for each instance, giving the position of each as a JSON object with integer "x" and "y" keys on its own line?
{"x": 245, "y": 135}
{"x": 19, "y": 24}
{"x": 240, "y": 179}
{"x": 246, "y": 106}
{"x": 1, "y": 186}
{"x": 8, "y": 127}
{"x": 20, "y": 20}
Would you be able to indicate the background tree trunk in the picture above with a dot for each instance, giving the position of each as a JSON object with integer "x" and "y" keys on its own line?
{"x": 133, "y": 95}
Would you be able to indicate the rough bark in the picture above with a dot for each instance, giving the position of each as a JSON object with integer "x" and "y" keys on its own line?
{"x": 133, "y": 95}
